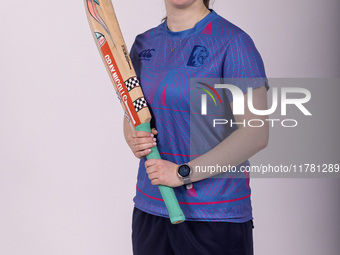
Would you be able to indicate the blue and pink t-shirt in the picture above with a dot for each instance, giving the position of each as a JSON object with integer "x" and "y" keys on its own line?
{"x": 214, "y": 48}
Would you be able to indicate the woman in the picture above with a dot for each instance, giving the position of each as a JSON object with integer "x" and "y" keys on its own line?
{"x": 195, "y": 42}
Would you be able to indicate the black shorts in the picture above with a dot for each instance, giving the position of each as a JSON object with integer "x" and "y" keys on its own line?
{"x": 154, "y": 235}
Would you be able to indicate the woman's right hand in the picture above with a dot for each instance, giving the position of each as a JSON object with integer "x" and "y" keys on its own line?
{"x": 141, "y": 142}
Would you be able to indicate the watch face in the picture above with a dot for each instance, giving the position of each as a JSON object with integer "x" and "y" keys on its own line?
{"x": 184, "y": 170}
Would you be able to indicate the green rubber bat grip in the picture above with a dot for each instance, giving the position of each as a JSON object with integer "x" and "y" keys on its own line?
{"x": 175, "y": 212}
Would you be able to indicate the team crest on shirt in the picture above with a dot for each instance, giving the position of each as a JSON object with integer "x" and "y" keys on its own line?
{"x": 146, "y": 54}
{"x": 198, "y": 55}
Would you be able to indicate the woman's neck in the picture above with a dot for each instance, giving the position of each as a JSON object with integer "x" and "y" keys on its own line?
{"x": 179, "y": 19}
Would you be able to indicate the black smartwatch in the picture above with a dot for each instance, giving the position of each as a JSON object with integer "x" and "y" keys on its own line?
{"x": 184, "y": 171}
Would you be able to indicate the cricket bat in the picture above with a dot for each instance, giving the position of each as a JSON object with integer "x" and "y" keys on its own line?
{"x": 110, "y": 42}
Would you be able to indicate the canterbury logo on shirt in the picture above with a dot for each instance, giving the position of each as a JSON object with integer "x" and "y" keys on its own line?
{"x": 198, "y": 55}
{"x": 146, "y": 54}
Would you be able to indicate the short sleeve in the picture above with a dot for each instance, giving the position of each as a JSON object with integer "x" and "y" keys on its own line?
{"x": 243, "y": 65}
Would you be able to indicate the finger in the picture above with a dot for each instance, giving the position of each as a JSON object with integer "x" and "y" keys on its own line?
{"x": 150, "y": 162}
{"x": 145, "y": 140}
{"x": 144, "y": 146}
{"x": 156, "y": 182}
{"x": 153, "y": 176}
{"x": 151, "y": 170}
{"x": 133, "y": 141}
{"x": 142, "y": 154}
{"x": 154, "y": 131}
{"x": 141, "y": 134}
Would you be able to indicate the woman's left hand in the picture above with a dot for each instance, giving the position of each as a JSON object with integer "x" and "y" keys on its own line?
{"x": 163, "y": 172}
